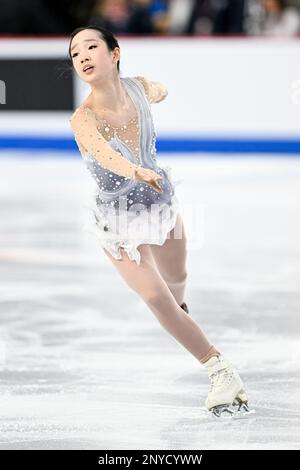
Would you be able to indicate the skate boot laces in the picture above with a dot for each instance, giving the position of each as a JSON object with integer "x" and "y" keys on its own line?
{"x": 220, "y": 372}
{"x": 220, "y": 378}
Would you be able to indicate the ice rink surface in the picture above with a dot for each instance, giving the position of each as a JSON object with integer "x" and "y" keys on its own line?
{"x": 84, "y": 362}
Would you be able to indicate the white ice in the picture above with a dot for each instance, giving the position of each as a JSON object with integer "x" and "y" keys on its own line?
{"x": 84, "y": 362}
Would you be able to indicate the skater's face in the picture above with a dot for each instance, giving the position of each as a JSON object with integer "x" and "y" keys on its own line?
{"x": 88, "y": 48}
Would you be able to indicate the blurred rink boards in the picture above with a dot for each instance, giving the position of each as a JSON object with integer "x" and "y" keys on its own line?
{"x": 225, "y": 95}
{"x": 83, "y": 363}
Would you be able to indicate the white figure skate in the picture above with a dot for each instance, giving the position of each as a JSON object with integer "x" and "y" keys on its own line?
{"x": 227, "y": 396}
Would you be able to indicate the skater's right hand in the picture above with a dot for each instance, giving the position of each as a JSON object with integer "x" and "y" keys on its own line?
{"x": 145, "y": 175}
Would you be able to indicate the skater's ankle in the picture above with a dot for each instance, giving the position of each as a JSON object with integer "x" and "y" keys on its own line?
{"x": 211, "y": 352}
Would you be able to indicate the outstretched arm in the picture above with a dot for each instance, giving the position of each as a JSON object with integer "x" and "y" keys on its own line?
{"x": 84, "y": 125}
{"x": 155, "y": 91}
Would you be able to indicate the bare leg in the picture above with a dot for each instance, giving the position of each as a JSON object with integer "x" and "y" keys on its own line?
{"x": 147, "y": 282}
{"x": 170, "y": 259}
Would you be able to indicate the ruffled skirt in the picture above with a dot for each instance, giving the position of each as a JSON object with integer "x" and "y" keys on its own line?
{"x": 116, "y": 229}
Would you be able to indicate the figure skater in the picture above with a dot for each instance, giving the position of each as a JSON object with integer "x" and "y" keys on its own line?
{"x": 114, "y": 131}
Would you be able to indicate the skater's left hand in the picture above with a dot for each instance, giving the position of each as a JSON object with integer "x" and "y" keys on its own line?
{"x": 148, "y": 176}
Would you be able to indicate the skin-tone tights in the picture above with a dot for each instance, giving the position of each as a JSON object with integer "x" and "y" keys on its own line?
{"x": 160, "y": 280}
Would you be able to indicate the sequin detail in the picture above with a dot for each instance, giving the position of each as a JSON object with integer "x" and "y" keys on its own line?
{"x": 111, "y": 155}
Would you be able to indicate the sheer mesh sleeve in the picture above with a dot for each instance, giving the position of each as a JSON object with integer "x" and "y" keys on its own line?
{"x": 84, "y": 125}
{"x": 155, "y": 91}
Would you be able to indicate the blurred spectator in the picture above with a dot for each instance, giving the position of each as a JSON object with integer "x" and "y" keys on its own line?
{"x": 134, "y": 16}
{"x": 179, "y": 15}
{"x": 253, "y": 15}
{"x": 141, "y": 21}
{"x": 229, "y": 18}
{"x": 113, "y": 15}
{"x": 281, "y": 19}
{"x": 202, "y": 14}
{"x": 159, "y": 10}
{"x": 216, "y": 17}
{"x": 206, "y": 17}
{"x": 273, "y": 18}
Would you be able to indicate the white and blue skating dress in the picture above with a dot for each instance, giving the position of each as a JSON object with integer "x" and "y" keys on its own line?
{"x": 124, "y": 212}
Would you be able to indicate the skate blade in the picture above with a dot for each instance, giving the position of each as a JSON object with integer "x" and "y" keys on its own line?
{"x": 222, "y": 412}
{"x": 241, "y": 408}
{"x": 225, "y": 412}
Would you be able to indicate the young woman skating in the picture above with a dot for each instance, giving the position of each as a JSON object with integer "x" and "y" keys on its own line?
{"x": 136, "y": 212}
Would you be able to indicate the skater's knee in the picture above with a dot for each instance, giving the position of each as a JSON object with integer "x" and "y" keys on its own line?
{"x": 176, "y": 277}
{"x": 152, "y": 296}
